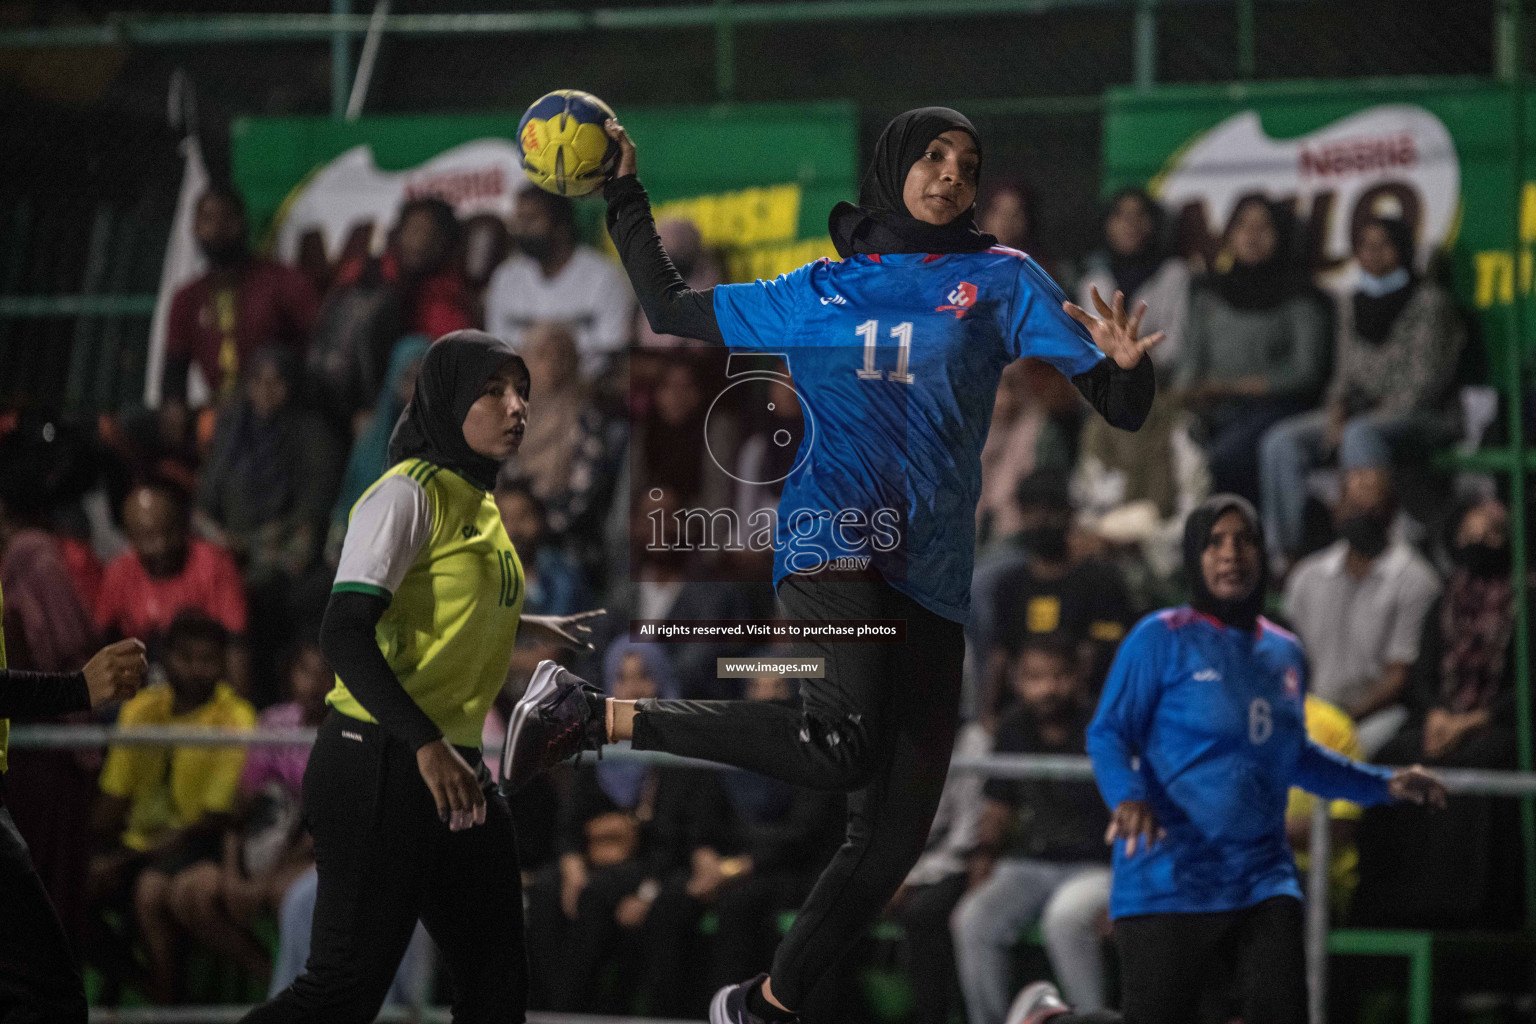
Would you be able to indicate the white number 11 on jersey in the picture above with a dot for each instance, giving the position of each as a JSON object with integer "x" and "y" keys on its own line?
{"x": 869, "y": 330}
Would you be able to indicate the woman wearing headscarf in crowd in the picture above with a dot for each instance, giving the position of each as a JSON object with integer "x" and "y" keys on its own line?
{"x": 1139, "y": 487}
{"x": 626, "y": 829}
{"x": 422, "y": 617}
{"x": 370, "y": 452}
{"x": 1198, "y": 738}
{"x": 896, "y": 350}
{"x": 1399, "y": 340}
{"x": 1464, "y": 870}
{"x": 1255, "y": 346}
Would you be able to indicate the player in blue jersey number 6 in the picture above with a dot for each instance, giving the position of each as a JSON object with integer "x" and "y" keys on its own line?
{"x": 895, "y": 351}
{"x": 1199, "y": 736}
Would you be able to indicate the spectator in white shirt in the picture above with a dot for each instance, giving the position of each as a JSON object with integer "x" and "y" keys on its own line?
{"x": 556, "y": 277}
{"x": 1359, "y": 607}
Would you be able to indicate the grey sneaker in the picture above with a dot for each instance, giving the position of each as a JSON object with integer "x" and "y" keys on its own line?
{"x": 729, "y": 1006}
{"x": 559, "y": 715}
{"x": 1038, "y": 1002}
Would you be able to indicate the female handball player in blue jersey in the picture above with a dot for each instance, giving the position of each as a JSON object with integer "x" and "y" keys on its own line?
{"x": 895, "y": 351}
{"x": 1199, "y": 736}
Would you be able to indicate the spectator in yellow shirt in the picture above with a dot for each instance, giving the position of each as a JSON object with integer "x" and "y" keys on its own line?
{"x": 1332, "y": 728}
{"x": 167, "y": 806}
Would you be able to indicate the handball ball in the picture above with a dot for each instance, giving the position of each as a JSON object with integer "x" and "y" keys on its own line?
{"x": 563, "y": 145}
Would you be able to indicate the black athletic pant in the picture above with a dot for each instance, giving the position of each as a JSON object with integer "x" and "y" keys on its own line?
{"x": 1189, "y": 968}
{"x": 385, "y": 860}
{"x": 39, "y": 979}
{"x": 880, "y": 726}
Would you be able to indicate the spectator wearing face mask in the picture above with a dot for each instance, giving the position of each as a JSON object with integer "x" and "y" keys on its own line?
{"x": 242, "y": 302}
{"x": 1464, "y": 870}
{"x": 1398, "y": 342}
{"x": 1045, "y": 588}
{"x": 556, "y": 277}
{"x": 1359, "y": 606}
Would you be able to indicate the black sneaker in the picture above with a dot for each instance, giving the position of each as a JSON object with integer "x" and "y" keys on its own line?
{"x": 730, "y": 1004}
{"x": 559, "y": 715}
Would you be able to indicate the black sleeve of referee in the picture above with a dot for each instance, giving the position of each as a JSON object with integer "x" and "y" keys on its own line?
{"x": 347, "y": 638}
{"x": 42, "y": 694}
{"x": 670, "y": 305}
{"x": 1122, "y": 397}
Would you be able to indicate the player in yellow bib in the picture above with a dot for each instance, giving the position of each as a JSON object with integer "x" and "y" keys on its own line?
{"x": 420, "y": 626}
{"x": 38, "y": 976}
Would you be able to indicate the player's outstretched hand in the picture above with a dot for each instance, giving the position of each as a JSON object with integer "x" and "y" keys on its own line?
{"x": 116, "y": 672}
{"x": 566, "y": 630}
{"x": 1117, "y": 334}
{"x": 626, "y": 148}
{"x": 1417, "y": 785}
{"x": 1134, "y": 822}
{"x": 453, "y": 785}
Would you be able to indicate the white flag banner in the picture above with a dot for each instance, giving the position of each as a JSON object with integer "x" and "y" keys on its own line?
{"x": 184, "y": 262}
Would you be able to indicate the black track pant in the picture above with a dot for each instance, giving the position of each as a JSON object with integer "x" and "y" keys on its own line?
{"x": 39, "y": 980}
{"x": 880, "y": 726}
{"x": 1198, "y": 968}
{"x": 384, "y": 860}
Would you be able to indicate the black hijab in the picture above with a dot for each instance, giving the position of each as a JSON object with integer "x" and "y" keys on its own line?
{"x": 1132, "y": 270}
{"x": 1263, "y": 286}
{"x": 881, "y": 222}
{"x": 1375, "y": 314}
{"x": 453, "y": 375}
{"x": 1243, "y": 613}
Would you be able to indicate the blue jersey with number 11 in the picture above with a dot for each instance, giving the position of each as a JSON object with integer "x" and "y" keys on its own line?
{"x": 896, "y": 360}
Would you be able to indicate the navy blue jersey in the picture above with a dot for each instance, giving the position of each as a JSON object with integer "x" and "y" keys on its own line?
{"x": 896, "y": 360}
{"x": 1205, "y": 722}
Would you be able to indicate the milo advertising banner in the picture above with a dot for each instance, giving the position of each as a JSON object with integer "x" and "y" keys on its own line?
{"x": 758, "y": 180}
{"x": 1441, "y": 158}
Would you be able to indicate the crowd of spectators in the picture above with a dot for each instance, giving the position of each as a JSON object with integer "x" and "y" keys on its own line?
{"x": 211, "y": 531}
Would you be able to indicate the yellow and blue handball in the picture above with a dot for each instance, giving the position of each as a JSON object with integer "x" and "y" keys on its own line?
{"x": 563, "y": 145}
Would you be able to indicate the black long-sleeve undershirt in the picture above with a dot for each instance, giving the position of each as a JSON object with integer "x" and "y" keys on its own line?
{"x": 348, "y": 640}
{"x": 1122, "y": 397}
{"x": 26, "y": 694}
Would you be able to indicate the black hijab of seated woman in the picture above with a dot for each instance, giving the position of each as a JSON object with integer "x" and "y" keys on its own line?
{"x": 1265, "y": 284}
{"x": 1240, "y": 612}
{"x": 881, "y": 223}
{"x": 452, "y": 378}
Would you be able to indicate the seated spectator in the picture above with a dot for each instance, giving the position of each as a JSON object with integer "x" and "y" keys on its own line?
{"x": 573, "y": 452}
{"x": 1359, "y": 607}
{"x": 268, "y": 485}
{"x": 1255, "y": 348}
{"x": 1329, "y": 727}
{"x": 167, "y": 571}
{"x": 1048, "y": 837}
{"x": 1135, "y": 261}
{"x": 370, "y": 451}
{"x": 942, "y": 875}
{"x": 266, "y": 850}
{"x": 1023, "y": 437}
{"x": 666, "y": 582}
{"x": 1009, "y": 212}
{"x": 672, "y": 441}
{"x": 416, "y": 287}
{"x": 1459, "y": 868}
{"x": 167, "y": 807}
{"x": 699, "y": 268}
{"x": 218, "y": 320}
{"x": 626, "y": 828}
{"x": 553, "y": 584}
{"x": 1046, "y": 588}
{"x": 1399, "y": 338}
{"x": 771, "y": 842}
{"x": 556, "y": 277}
{"x": 1461, "y": 690}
